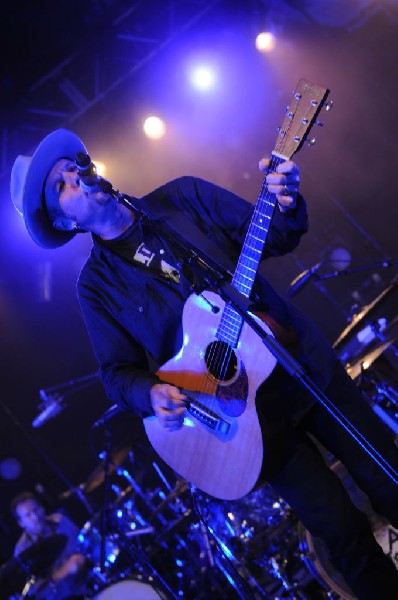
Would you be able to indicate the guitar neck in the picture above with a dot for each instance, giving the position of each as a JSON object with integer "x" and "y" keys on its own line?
{"x": 256, "y": 236}
{"x": 308, "y": 99}
{"x": 249, "y": 260}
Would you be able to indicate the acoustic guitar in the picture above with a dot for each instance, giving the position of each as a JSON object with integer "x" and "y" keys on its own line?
{"x": 222, "y": 361}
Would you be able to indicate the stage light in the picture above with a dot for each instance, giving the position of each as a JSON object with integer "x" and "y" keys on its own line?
{"x": 203, "y": 78}
{"x": 101, "y": 168}
{"x": 154, "y": 128}
{"x": 340, "y": 258}
{"x": 265, "y": 41}
{"x": 10, "y": 468}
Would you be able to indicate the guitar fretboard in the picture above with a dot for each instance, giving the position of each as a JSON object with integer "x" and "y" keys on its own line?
{"x": 231, "y": 322}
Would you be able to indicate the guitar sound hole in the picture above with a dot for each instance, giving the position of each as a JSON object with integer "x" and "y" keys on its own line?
{"x": 221, "y": 361}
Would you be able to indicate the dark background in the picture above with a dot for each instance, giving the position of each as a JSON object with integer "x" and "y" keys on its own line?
{"x": 100, "y": 67}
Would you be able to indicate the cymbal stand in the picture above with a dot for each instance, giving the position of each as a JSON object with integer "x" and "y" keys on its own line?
{"x": 104, "y": 522}
{"x": 121, "y": 471}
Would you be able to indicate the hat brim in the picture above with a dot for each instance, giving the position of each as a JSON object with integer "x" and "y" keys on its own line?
{"x": 61, "y": 143}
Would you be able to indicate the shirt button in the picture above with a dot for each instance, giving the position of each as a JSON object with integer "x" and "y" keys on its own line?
{"x": 140, "y": 309}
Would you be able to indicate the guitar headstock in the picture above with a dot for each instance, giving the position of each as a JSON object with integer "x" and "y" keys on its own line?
{"x": 308, "y": 100}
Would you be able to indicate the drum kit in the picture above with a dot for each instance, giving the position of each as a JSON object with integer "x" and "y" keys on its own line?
{"x": 156, "y": 537}
{"x": 184, "y": 544}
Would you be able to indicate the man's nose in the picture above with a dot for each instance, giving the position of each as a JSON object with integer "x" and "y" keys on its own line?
{"x": 72, "y": 178}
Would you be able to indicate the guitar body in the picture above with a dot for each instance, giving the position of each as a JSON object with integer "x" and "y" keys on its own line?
{"x": 219, "y": 448}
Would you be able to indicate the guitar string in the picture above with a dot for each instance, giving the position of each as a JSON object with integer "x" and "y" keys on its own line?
{"x": 218, "y": 362}
{"x": 222, "y": 353}
{"x": 220, "y": 357}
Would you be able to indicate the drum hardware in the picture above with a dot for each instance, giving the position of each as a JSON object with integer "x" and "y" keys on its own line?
{"x": 162, "y": 476}
{"x": 138, "y": 558}
{"x": 124, "y": 560}
{"x": 180, "y": 487}
{"x": 146, "y": 497}
{"x": 381, "y": 395}
{"x": 385, "y": 391}
{"x": 139, "y": 531}
{"x": 121, "y": 526}
{"x": 89, "y": 544}
{"x": 97, "y": 477}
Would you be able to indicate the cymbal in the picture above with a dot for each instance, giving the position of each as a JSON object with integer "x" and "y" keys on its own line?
{"x": 35, "y": 560}
{"x": 97, "y": 477}
{"x": 370, "y": 332}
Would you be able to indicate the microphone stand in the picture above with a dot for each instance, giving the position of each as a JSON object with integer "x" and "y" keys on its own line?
{"x": 383, "y": 264}
{"x": 71, "y": 386}
{"x": 211, "y": 273}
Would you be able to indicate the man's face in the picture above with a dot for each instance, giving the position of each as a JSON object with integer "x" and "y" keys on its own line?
{"x": 62, "y": 190}
{"x": 31, "y": 516}
{"x": 63, "y": 193}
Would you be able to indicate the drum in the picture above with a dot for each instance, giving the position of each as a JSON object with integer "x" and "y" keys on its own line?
{"x": 89, "y": 544}
{"x": 316, "y": 557}
{"x": 314, "y": 551}
{"x": 124, "y": 523}
{"x": 238, "y": 523}
{"x": 127, "y": 590}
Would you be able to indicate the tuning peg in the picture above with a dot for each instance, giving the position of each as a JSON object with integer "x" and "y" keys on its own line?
{"x": 310, "y": 141}
{"x": 329, "y": 105}
{"x": 319, "y": 123}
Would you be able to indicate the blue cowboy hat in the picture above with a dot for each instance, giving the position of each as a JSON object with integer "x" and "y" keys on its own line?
{"x": 28, "y": 176}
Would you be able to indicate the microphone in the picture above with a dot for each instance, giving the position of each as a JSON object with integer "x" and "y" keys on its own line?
{"x": 85, "y": 166}
{"x": 302, "y": 279}
{"x": 107, "y": 416}
{"x": 89, "y": 181}
{"x": 52, "y": 405}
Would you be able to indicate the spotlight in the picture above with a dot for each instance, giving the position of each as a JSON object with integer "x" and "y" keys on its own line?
{"x": 154, "y": 127}
{"x": 203, "y": 78}
{"x": 265, "y": 41}
{"x": 101, "y": 168}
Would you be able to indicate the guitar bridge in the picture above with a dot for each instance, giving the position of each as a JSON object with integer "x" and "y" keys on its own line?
{"x": 205, "y": 415}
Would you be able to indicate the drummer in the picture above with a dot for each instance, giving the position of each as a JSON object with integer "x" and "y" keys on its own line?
{"x": 68, "y": 571}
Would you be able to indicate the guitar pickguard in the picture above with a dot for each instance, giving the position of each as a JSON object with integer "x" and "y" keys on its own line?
{"x": 232, "y": 398}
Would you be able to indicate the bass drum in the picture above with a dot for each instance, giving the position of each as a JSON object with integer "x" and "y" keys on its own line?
{"x": 128, "y": 590}
{"x": 316, "y": 558}
{"x": 316, "y": 555}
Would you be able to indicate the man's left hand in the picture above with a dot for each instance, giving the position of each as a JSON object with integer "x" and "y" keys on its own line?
{"x": 284, "y": 182}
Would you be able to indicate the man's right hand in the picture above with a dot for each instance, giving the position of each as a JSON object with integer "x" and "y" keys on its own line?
{"x": 168, "y": 405}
